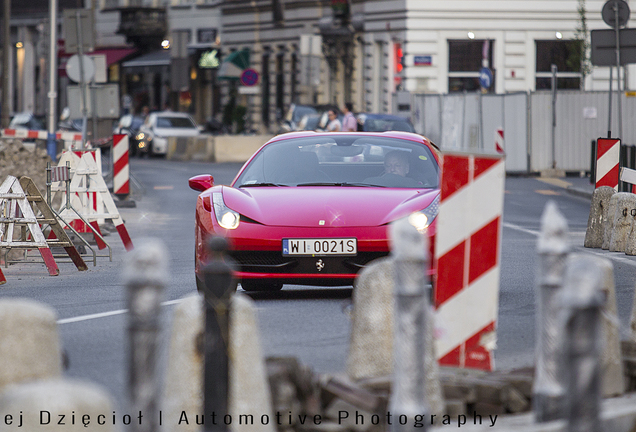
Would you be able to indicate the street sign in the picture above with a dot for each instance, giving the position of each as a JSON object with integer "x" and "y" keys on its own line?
{"x": 604, "y": 47}
{"x": 249, "y": 77}
{"x": 87, "y": 35}
{"x": 73, "y": 68}
{"x": 609, "y": 13}
{"x": 485, "y": 77}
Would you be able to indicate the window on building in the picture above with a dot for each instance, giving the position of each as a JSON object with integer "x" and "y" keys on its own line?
{"x": 280, "y": 83}
{"x": 265, "y": 87}
{"x": 566, "y": 55}
{"x": 294, "y": 76}
{"x": 465, "y": 60}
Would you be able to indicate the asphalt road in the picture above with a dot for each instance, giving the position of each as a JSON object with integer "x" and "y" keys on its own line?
{"x": 311, "y": 324}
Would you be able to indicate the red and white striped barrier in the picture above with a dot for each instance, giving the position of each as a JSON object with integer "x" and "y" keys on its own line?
{"x": 499, "y": 141}
{"x": 608, "y": 152}
{"x": 90, "y": 195}
{"x": 467, "y": 253}
{"x": 74, "y": 139}
{"x": 121, "y": 172}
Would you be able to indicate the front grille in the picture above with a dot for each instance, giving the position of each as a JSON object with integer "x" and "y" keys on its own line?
{"x": 261, "y": 259}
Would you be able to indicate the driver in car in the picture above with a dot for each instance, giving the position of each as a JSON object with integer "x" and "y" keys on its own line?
{"x": 396, "y": 167}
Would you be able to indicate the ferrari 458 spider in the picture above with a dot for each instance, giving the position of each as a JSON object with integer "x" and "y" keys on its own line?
{"x": 313, "y": 208}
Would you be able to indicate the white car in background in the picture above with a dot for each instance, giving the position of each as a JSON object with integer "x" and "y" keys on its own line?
{"x": 159, "y": 126}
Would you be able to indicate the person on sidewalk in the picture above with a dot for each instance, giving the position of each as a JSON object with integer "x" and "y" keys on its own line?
{"x": 349, "y": 123}
{"x": 334, "y": 124}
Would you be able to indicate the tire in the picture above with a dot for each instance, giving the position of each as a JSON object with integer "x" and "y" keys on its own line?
{"x": 251, "y": 286}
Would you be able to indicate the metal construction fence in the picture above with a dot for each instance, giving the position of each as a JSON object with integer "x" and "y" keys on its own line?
{"x": 468, "y": 121}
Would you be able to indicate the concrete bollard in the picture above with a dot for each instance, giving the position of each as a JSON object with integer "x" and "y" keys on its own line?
{"x": 371, "y": 342}
{"x": 630, "y": 247}
{"x": 249, "y": 389}
{"x": 549, "y": 385}
{"x": 29, "y": 342}
{"x": 623, "y": 221}
{"x": 39, "y": 406}
{"x": 410, "y": 251}
{"x": 598, "y": 216}
{"x": 612, "y": 380}
{"x": 609, "y": 223}
{"x": 145, "y": 274}
{"x": 581, "y": 300}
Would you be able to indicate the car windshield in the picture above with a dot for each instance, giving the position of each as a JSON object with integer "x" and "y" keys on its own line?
{"x": 301, "y": 111}
{"x": 175, "y": 122}
{"x": 383, "y": 125}
{"x": 342, "y": 160}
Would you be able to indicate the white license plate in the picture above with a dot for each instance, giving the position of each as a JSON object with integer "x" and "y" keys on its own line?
{"x": 322, "y": 246}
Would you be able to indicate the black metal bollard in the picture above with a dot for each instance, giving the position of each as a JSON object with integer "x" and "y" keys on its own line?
{"x": 145, "y": 275}
{"x": 218, "y": 288}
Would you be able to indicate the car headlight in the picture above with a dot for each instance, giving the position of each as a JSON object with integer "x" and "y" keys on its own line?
{"x": 140, "y": 136}
{"x": 226, "y": 217}
{"x": 424, "y": 218}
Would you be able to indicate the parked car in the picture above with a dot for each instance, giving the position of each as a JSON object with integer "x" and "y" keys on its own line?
{"x": 313, "y": 208}
{"x": 28, "y": 120}
{"x": 383, "y": 122}
{"x": 159, "y": 126}
{"x": 130, "y": 124}
{"x": 297, "y": 112}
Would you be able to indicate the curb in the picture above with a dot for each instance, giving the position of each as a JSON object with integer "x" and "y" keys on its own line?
{"x": 579, "y": 192}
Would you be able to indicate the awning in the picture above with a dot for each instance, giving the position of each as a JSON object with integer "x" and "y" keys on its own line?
{"x": 113, "y": 55}
{"x": 233, "y": 65}
{"x": 155, "y": 58}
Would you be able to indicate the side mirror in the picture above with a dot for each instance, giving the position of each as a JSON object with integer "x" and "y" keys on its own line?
{"x": 201, "y": 182}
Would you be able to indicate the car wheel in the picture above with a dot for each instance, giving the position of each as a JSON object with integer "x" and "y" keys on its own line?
{"x": 249, "y": 285}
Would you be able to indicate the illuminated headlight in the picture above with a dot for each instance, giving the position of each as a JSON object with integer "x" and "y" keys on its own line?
{"x": 424, "y": 218}
{"x": 226, "y": 217}
{"x": 140, "y": 136}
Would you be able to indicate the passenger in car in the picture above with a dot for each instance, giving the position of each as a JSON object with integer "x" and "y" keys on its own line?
{"x": 396, "y": 167}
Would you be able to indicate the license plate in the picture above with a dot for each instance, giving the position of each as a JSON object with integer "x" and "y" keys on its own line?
{"x": 322, "y": 246}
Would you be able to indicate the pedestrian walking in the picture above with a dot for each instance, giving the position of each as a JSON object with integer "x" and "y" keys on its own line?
{"x": 349, "y": 123}
{"x": 334, "y": 124}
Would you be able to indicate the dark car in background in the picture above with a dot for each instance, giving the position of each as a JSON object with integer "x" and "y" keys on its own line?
{"x": 28, "y": 120}
{"x": 383, "y": 123}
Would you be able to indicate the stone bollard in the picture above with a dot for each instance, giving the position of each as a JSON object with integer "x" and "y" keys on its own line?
{"x": 598, "y": 216}
{"x": 39, "y": 406}
{"x": 609, "y": 223}
{"x": 581, "y": 300}
{"x": 29, "y": 342}
{"x": 630, "y": 247}
{"x": 623, "y": 221}
{"x": 612, "y": 381}
{"x": 145, "y": 274}
{"x": 549, "y": 385}
{"x": 249, "y": 388}
{"x": 371, "y": 342}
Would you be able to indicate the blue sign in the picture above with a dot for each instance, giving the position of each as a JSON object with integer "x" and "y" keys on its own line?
{"x": 485, "y": 77}
{"x": 249, "y": 77}
{"x": 422, "y": 60}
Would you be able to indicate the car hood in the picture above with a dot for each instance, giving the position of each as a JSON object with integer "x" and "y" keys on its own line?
{"x": 336, "y": 206}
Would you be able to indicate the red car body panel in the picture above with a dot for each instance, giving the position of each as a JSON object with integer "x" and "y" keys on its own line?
{"x": 274, "y": 213}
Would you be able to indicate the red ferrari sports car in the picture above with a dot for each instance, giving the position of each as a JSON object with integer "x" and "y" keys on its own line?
{"x": 313, "y": 208}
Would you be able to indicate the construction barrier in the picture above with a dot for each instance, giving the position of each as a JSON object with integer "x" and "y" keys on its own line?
{"x": 608, "y": 152}
{"x": 121, "y": 170}
{"x": 71, "y": 140}
{"x": 90, "y": 197}
{"x": 499, "y": 141}
{"x": 467, "y": 255}
{"x": 20, "y": 201}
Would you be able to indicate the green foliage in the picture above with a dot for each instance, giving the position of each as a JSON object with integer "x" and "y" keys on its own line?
{"x": 581, "y": 45}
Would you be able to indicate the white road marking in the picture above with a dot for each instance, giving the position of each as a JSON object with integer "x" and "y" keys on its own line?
{"x": 610, "y": 255}
{"x": 107, "y": 314}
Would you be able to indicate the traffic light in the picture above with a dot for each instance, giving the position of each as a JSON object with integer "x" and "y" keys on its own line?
{"x": 341, "y": 10}
{"x": 398, "y": 58}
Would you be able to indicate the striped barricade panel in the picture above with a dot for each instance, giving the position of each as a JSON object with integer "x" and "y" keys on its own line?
{"x": 608, "y": 151}
{"x": 467, "y": 253}
{"x": 121, "y": 185}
